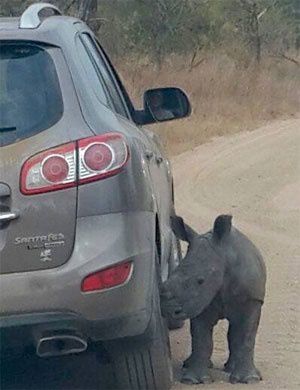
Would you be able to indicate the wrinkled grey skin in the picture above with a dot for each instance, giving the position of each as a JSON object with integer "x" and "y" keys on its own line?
{"x": 222, "y": 276}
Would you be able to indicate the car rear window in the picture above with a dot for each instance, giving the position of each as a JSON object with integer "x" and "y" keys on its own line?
{"x": 30, "y": 95}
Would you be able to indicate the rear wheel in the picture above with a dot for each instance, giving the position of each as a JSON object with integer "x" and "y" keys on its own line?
{"x": 144, "y": 362}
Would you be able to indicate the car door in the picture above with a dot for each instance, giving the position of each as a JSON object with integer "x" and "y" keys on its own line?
{"x": 162, "y": 176}
{"x": 151, "y": 147}
{"x": 154, "y": 152}
{"x": 160, "y": 168}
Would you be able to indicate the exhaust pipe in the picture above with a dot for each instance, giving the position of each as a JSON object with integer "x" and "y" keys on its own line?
{"x": 60, "y": 344}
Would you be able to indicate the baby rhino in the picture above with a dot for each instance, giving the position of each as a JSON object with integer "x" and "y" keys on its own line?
{"x": 222, "y": 276}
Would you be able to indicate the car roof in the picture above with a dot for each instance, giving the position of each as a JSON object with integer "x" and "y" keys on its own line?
{"x": 49, "y": 23}
{"x": 9, "y": 23}
{"x": 52, "y": 29}
{"x": 13, "y": 23}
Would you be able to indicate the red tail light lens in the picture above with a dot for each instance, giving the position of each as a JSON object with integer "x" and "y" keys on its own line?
{"x": 98, "y": 157}
{"x": 55, "y": 169}
{"x": 80, "y": 162}
{"x": 107, "y": 278}
{"x": 51, "y": 170}
{"x": 101, "y": 156}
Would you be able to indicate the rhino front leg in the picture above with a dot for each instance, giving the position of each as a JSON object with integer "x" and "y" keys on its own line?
{"x": 242, "y": 334}
{"x": 196, "y": 366}
{"x": 189, "y": 361}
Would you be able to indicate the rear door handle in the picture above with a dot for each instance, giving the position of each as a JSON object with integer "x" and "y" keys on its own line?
{"x": 159, "y": 160}
{"x": 7, "y": 216}
{"x": 149, "y": 154}
{"x": 4, "y": 190}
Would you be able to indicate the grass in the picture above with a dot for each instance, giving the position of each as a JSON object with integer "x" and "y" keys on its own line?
{"x": 226, "y": 98}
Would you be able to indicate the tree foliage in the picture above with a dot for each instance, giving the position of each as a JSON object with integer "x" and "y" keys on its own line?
{"x": 157, "y": 29}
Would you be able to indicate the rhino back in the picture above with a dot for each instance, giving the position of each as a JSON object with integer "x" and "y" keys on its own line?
{"x": 245, "y": 275}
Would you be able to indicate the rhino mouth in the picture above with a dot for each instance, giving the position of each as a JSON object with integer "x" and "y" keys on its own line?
{"x": 170, "y": 307}
{"x": 175, "y": 314}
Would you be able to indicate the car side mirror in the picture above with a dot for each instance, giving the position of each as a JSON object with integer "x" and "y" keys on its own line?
{"x": 165, "y": 104}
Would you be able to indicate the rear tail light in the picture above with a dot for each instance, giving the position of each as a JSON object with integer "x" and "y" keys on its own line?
{"x": 86, "y": 160}
{"x": 51, "y": 170}
{"x": 108, "y": 278}
{"x": 101, "y": 156}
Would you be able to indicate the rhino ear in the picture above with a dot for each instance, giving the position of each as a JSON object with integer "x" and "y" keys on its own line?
{"x": 182, "y": 230}
{"x": 222, "y": 226}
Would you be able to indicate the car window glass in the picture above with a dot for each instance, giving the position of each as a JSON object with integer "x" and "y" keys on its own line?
{"x": 124, "y": 93}
{"x": 92, "y": 78}
{"x": 30, "y": 94}
{"x": 106, "y": 75}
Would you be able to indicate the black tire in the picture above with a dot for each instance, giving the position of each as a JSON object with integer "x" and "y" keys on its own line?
{"x": 144, "y": 362}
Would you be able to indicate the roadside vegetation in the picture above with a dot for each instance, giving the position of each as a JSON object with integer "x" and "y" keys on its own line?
{"x": 237, "y": 59}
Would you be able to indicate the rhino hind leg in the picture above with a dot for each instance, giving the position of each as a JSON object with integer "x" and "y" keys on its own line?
{"x": 241, "y": 338}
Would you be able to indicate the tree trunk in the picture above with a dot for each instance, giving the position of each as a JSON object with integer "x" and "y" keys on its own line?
{"x": 257, "y": 38}
{"x": 85, "y": 8}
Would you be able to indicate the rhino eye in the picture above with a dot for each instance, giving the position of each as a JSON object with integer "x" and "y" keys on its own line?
{"x": 200, "y": 280}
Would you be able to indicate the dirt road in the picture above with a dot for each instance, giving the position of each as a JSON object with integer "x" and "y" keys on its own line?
{"x": 255, "y": 177}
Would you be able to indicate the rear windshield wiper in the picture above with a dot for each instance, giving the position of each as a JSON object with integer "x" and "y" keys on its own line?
{"x": 7, "y": 129}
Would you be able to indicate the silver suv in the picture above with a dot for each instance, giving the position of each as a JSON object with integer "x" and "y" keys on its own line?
{"x": 85, "y": 199}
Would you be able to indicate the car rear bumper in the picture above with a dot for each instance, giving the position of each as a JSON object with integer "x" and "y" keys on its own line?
{"x": 21, "y": 331}
{"x": 51, "y": 299}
